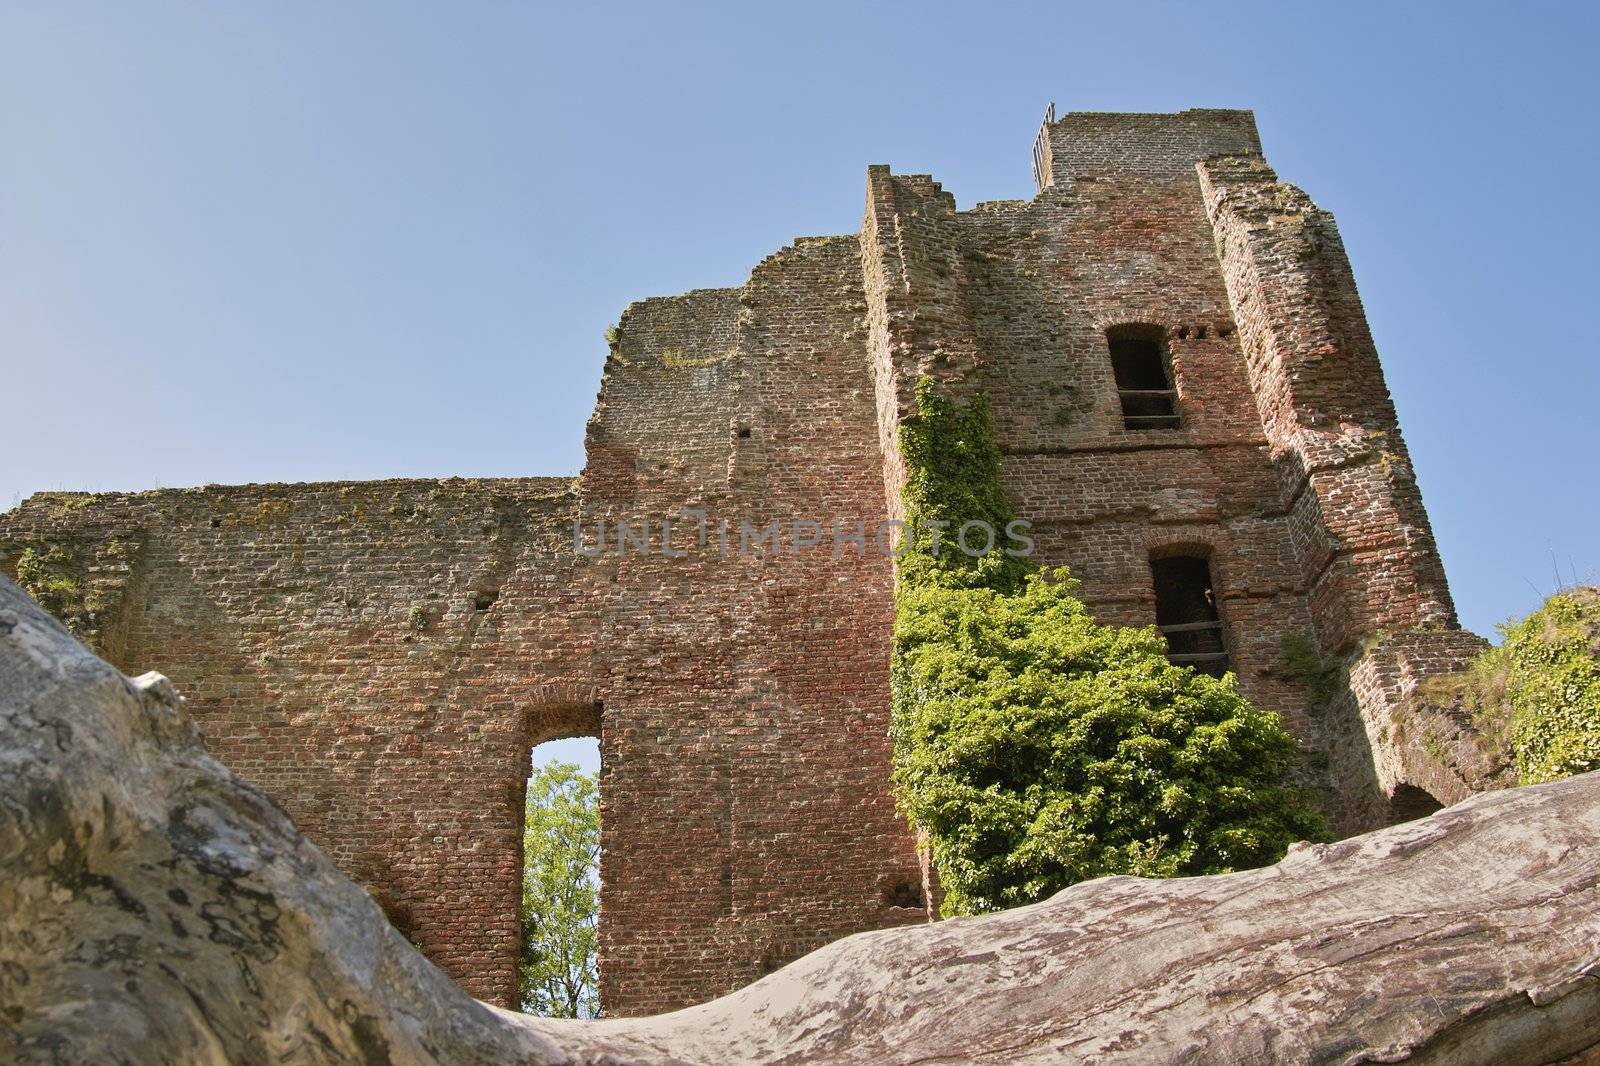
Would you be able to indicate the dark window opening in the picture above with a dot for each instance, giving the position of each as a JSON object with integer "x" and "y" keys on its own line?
{"x": 1410, "y": 803}
{"x": 399, "y": 915}
{"x": 902, "y": 892}
{"x": 1144, "y": 383}
{"x": 1186, "y": 614}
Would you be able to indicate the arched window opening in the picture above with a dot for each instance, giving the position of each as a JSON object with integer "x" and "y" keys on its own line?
{"x": 1144, "y": 377}
{"x": 1408, "y": 803}
{"x": 1186, "y": 613}
{"x": 558, "y": 966}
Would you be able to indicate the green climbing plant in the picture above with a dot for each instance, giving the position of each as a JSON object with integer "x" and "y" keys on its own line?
{"x": 1037, "y": 747}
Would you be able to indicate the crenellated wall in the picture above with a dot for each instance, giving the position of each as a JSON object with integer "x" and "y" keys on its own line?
{"x": 381, "y": 657}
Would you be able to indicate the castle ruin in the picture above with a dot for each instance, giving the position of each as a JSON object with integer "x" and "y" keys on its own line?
{"x": 1193, "y": 418}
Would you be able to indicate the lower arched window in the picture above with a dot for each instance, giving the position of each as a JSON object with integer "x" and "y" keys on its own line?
{"x": 1186, "y": 613}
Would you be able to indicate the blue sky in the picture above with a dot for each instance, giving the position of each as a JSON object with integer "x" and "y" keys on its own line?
{"x": 296, "y": 241}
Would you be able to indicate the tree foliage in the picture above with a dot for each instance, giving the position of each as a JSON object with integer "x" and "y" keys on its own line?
{"x": 953, "y": 477}
{"x": 561, "y": 893}
{"x": 1038, "y": 748}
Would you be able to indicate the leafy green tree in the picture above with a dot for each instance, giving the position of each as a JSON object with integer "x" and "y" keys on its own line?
{"x": 561, "y": 893}
{"x": 1039, "y": 748}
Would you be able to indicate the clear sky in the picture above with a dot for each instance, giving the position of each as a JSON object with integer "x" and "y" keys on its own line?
{"x": 298, "y": 241}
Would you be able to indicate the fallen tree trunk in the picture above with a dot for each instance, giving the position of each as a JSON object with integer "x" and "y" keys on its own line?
{"x": 156, "y": 908}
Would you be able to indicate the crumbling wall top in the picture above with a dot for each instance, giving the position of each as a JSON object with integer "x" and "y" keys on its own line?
{"x": 1093, "y": 144}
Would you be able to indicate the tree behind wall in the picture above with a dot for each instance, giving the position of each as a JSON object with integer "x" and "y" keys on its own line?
{"x": 561, "y": 893}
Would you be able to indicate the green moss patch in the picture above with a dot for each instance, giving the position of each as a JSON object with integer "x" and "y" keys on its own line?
{"x": 47, "y": 575}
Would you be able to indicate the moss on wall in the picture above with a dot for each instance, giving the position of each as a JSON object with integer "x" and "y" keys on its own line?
{"x": 48, "y": 574}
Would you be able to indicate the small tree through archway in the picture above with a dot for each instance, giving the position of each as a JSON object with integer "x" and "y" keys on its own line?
{"x": 558, "y": 971}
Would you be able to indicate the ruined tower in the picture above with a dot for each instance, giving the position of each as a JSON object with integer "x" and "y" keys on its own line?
{"x": 1192, "y": 416}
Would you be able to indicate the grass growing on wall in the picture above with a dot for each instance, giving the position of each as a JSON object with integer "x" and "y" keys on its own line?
{"x": 1540, "y": 690}
{"x": 1038, "y": 748}
{"x": 45, "y": 574}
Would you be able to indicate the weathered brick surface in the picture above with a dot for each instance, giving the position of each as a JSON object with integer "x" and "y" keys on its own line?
{"x": 382, "y": 657}
{"x": 746, "y": 814}
{"x": 363, "y": 652}
{"x": 1014, "y": 299}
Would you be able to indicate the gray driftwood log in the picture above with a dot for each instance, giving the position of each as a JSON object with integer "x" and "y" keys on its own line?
{"x": 156, "y": 908}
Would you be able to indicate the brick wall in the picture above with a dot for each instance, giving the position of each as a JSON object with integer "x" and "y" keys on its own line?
{"x": 361, "y": 651}
{"x": 381, "y": 657}
{"x": 746, "y": 815}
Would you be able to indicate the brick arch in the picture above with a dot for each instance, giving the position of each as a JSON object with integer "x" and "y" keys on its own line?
{"x": 1409, "y": 802}
{"x": 555, "y": 692}
{"x": 1156, "y": 316}
{"x": 559, "y": 711}
{"x": 562, "y": 721}
{"x": 1210, "y": 543}
{"x": 1165, "y": 543}
{"x": 1144, "y": 327}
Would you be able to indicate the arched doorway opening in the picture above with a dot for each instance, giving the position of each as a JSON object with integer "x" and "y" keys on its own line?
{"x": 558, "y": 957}
{"x": 1408, "y": 803}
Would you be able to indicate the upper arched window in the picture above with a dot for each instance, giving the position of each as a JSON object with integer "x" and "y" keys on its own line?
{"x": 1144, "y": 377}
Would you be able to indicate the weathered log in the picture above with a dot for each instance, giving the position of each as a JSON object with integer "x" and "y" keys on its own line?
{"x": 156, "y": 908}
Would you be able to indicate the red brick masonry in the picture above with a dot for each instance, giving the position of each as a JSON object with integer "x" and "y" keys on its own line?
{"x": 382, "y": 656}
